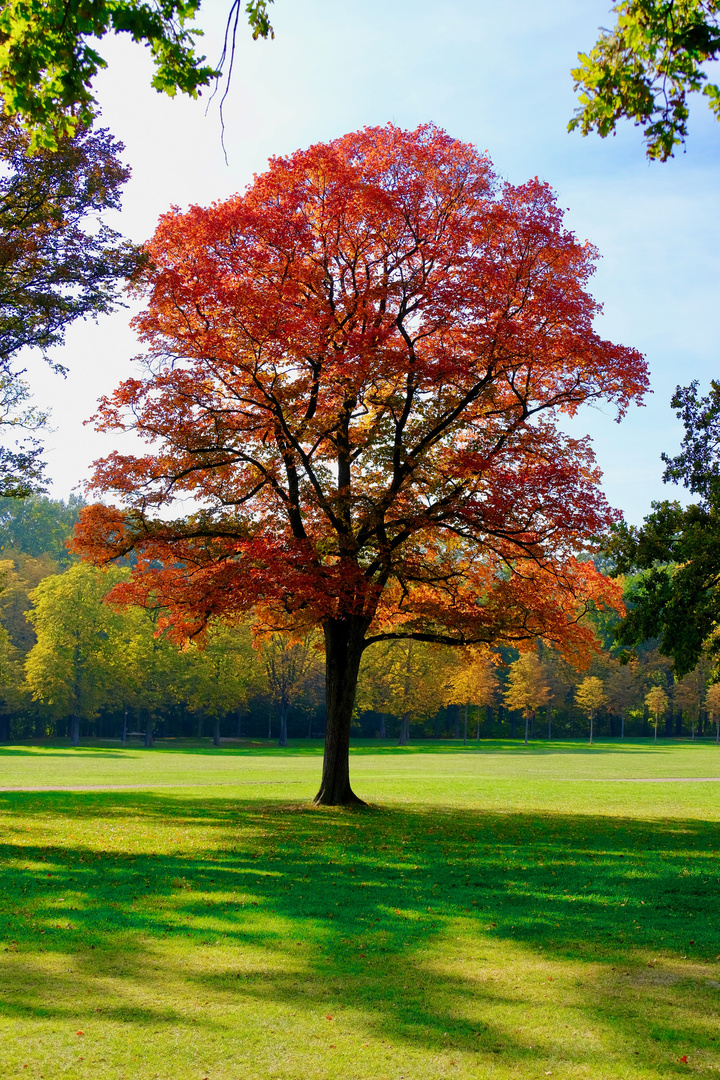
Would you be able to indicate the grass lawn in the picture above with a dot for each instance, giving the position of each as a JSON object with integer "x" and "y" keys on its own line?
{"x": 497, "y": 911}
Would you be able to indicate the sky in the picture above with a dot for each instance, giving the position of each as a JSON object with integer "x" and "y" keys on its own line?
{"x": 497, "y": 76}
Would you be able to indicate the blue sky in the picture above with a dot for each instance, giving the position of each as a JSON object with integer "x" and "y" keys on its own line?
{"x": 495, "y": 75}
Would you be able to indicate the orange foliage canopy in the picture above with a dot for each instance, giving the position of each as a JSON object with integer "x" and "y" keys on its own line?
{"x": 356, "y": 368}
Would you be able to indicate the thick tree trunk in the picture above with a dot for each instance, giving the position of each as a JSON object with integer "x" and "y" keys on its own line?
{"x": 404, "y": 729}
{"x": 344, "y": 643}
{"x": 216, "y": 731}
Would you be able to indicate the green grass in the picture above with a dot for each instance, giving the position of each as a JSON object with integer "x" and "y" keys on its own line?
{"x": 501, "y": 912}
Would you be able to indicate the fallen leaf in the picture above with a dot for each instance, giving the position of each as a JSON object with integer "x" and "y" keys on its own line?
{"x": 79, "y": 1032}
{"x": 684, "y": 1058}
{"x": 328, "y": 1016}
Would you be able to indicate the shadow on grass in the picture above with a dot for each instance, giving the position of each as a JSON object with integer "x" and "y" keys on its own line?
{"x": 367, "y": 905}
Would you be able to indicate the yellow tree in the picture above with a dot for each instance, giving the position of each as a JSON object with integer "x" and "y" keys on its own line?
{"x": 80, "y": 643}
{"x": 216, "y": 677}
{"x": 688, "y": 693}
{"x": 290, "y": 665}
{"x": 474, "y": 682}
{"x": 657, "y": 702}
{"x": 712, "y": 704}
{"x": 527, "y": 688}
{"x": 406, "y": 678}
{"x": 590, "y": 696}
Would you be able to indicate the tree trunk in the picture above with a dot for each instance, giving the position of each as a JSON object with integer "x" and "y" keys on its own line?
{"x": 591, "y": 728}
{"x": 344, "y": 644}
{"x": 404, "y": 729}
{"x": 284, "y": 710}
{"x": 149, "y": 730}
{"x": 124, "y": 727}
{"x": 527, "y": 721}
{"x": 656, "y": 723}
{"x": 549, "y": 716}
{"x": 75, "y": 730}
{"x": 465, "y": 726}
{"x": 216, "y": 731}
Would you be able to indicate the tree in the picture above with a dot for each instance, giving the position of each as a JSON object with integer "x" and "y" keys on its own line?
{"x": 58, "y": 263}
{"x": 408, "y": 679}
{"x": 657, "y": 702}
{"x": 689, "y": 692}
{"x": 289, "y": 665}
{"x": 79, "y": 643}
{"x": 48, "y": 55}
{"x": 358, "y": 367}
{"x": 590, "y": 696}
{"x": 712, "y": 704}
{"x": 474, "y": 682}
{"x": 39, "y": 526}
{"x": 645, "y": 68}
{"x": 527, "y": 689}
{"x": 676, "y": 594}
{"x": 621, "y": 687}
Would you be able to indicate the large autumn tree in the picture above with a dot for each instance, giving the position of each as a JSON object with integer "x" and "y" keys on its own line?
{"x": 357, "y": 369}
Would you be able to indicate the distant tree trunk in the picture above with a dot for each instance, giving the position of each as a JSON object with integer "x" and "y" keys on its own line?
{"x": 270, "y": 721}
{"x": 283, "y": 717}
{"x": 75, "y": 729}
{"x": 678, "y": 723}
{"x": 465, "y": 726}
{"x": 668, "y": 724}
{"x": 646, "y": 717}
{"x": 527, "y": 721}
{"x": 513, "y": 725}
{"x": 717, "y": 730}
{"x": 477, "y": 723}
{"x": 123, "y": 738}
{"x": 148, "y": 729}
{"x": 216, "y": 731}
{"x": 344, "y": 644}
{"x": 404, "y": 729}
{"x": 591, "y": 729}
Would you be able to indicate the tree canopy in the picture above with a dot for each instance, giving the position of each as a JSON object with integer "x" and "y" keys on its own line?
{"x": 58, "y": 262}
{"x": 645, "y": 68}
{"x": 49, "y": 57}
{"x": 675, "y": 595}
{"x": 357, "y": 368}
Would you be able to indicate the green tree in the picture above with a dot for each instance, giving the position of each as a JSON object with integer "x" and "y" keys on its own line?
{"x": 657, "y": 702}
{"x": 645, "y": 68}
{"x": 79, "y": 649}
{"x": 527, "y": 688}
{"x": 58, "y": 262}
{"x": 49, "y": 57}
{"x": 675, "y": 593}
{"x": 39, "y": 526}
{"x": 590, "y": 696}
{"x": 19, "y": 575}
{"x": 289, "y": 666}
{"x": 216, "y": 677}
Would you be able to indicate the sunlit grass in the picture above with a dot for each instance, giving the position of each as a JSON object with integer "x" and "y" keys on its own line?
{"x": 498, "y": 914}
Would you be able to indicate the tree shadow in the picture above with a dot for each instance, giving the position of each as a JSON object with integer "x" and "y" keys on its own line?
{"x": 357, "y": 911}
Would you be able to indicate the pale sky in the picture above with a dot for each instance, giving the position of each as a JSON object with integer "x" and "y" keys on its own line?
{"x": 494, "y": 75}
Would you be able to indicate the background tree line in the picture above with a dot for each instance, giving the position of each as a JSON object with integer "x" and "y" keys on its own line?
{"x": 72, "y": 666}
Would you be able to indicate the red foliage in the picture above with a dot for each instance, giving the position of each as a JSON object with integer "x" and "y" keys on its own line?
{"x": 357, "y": 368}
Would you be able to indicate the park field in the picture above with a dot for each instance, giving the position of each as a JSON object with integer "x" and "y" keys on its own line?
{"x": 496, "y": 911}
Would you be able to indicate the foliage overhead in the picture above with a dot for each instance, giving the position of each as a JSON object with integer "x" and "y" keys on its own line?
{"x": 357, "y": 368}
{"x": 645, "y": 68}
{"x": 49, "y": 57}
{"x": 58, "y": 262}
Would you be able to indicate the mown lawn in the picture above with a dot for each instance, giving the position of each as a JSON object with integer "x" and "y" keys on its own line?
{"x": 495, "y": 912}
